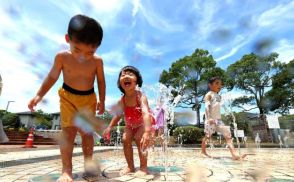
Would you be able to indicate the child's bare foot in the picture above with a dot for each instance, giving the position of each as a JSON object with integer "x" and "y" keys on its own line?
{"x": 65, "y": 177}
{"x": 126, "y": 171}
{"x": 237, "y": 157}
{"x": 141, "y": 172}
{"x": 204, "y": 154}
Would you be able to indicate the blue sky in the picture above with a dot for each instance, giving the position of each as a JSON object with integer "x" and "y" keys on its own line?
{"x": 147, "y": 34}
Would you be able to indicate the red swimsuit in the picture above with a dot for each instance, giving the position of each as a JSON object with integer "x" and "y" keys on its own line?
{"x": 134, "y": 114}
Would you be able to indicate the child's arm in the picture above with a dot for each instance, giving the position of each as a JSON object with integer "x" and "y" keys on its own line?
{"x": 146, "y": 114}
{"x": 48, "y": 82}
{"x": 113, "y": 122}
{"x": 147, "y": 122}
{"x": 207, "y": 100}
{"x": 101, "y": 86}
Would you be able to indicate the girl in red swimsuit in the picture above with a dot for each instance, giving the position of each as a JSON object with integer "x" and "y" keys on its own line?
{"x": 137, "y": 118}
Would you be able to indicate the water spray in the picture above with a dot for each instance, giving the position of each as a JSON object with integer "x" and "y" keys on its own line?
{"x": 235, "y": 125}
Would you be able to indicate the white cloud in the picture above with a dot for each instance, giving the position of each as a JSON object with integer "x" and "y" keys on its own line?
{"x": 146, "y": 50}
{"x": 229, "y": 96}
{"x": 239, "y": 43}
{"x": 217, "y": 49}
{"x": 113, "y": 62}
{"x": 111, "y": 100}
{"x": 207, "y": 23}
{"x": 6, "y": 20}
{"x": 231, "y": 53}
{"x": 18, "y": 82}
{"x": 107, "y": 11}
{"x": 24, "y": 28}
{"x": 280, "y": 13}
{"x": 69, "y": 8}
{"x": 109, "y": 6}
{"x": 157, "y": 21}
{"x": 136, "y": 4}
{"x": 136, "y": 8}
{"x": 38, "y": 28}
{"x": 285, "y": 51}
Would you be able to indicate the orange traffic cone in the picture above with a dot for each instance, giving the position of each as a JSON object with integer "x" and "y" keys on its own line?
{"x": 30, "y": 140}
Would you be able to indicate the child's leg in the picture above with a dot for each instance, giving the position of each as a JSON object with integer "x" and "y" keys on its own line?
{"x": 208, "y": 130}
{"x": 227, "y": 135}
{"x": 153, "y": 139}
{"x": 143, "y": 158}
{"x": 203, "y": 145}
{"x": 87, "y": 146}
{"x": 231, "y": 148}
{"x": 128, "y": 151}
{"x": 66, "y": 148}
{"x": 159, "y": 136}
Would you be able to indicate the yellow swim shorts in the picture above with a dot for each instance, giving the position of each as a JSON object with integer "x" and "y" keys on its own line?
{"x": 71, "y": 103}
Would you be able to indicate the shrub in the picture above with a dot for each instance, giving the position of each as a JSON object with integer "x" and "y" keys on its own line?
{"x": 190, "y": 134}
{"x": 9, "y": 120}
{"x": 113, "y": 134}
{"x": 10, "y": 129}
{"x": 22, "y": 130}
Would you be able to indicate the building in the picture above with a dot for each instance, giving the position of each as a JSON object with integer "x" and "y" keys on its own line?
{"x": 28, "y": 120}
{"x": 56, "y": 121}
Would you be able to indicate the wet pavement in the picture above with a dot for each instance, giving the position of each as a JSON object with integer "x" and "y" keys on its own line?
{"x": 44, "y": 164}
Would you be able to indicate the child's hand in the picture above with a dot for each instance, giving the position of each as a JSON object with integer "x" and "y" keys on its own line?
{"x": 106, "y": 133}
{"x": 100, "y": 107}
{"x": 145, "y": 140}
{"x": 34, "y": 102}
{"x": 211, "y": 121}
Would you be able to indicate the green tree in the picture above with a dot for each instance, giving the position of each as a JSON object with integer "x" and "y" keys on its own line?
{"x": 281, "y": 97}
{"x": 253, "y": 74}
{"x": 243, "y": 121}
{"x": 9, "y": 119}
{"x": 190, "y": 134}
{"x": 188, "y": 76}
{"x": 2, "y": 113}
{"x": 287, "y": 122}
{"x": 43, "y": 119}
{"x": 106, "y": 117}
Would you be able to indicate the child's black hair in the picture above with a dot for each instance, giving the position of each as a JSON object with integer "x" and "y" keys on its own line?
{"x": 85, "y": 30}
{"x": 213, "y": 79}
{"x": 131, "y": 69}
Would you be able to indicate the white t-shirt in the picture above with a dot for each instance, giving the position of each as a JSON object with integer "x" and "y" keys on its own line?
{"x": 214, "y": 105}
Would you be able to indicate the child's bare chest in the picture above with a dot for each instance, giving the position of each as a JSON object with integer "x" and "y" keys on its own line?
{"x": 76, "y": 69}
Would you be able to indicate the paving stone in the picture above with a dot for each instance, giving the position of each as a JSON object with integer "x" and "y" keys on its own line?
{"x": 273, "y": 163}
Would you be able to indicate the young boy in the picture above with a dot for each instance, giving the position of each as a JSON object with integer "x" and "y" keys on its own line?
{"x": 213, "y": 120}
{"x": 79, "y": 66}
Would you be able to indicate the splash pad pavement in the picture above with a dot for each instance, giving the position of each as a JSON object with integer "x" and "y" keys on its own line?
{"x": 183, "y": 165}
{"x": 190, "y": 165}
